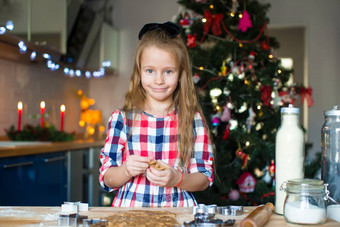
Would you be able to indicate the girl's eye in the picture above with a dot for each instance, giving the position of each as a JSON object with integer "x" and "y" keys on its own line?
{"x": 168, "y": 72}
{"x": 149, "y": 71}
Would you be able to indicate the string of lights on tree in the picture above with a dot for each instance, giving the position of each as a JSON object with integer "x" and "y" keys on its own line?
{"x": 51, "y": 64}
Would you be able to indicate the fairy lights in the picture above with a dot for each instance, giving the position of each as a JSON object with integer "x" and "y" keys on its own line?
{"x": 33, "y": 55}
{"x": 88, "y": 74}
{"x": 9, "y": 26}
{"x": 50, "y": 63}
{"x": 78, "y": 73}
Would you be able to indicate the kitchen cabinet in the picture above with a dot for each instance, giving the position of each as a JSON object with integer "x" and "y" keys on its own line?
{"x": 51, "y": 179}
{"x": 29, "y": 25}
{"x": 50, "y": 174}
{"x": 33, "y": 180}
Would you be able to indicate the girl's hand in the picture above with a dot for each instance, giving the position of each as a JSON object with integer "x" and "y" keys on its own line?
{"x": 135, "y": 165}
{"x": 164, "y": 178}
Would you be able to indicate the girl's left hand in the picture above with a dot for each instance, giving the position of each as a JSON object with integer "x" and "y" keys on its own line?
{"x": 164, "y": 178}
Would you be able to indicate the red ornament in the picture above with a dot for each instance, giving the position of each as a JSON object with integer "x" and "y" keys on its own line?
{"x": 196, "y": 77}
{"x": 265, "y": 45}
{"x": 191, "y": 40}
{"x": 185, "y": 21}
{"x": 245, "y": 157}
{"x": 226, "y": 132}
{"x": 246, "y": 183}
{"x": 245, "y": 22}
{"x": 251, "y": 55}
{"x": 266, "y": 94}
{"x": 286, "y": 98}
{"x": 272, "y": 168}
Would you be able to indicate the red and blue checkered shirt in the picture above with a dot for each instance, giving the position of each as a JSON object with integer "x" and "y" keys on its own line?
{"x": 154, "y": 137}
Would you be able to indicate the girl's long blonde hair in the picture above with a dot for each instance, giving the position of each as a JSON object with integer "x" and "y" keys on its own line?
{"x": 184, "y": 97}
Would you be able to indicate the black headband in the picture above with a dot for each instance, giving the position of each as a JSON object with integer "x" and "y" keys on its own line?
{"x": 171, "y": 29}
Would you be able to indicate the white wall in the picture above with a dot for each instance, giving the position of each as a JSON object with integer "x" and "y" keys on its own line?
{"x": 321, "y": 20}
{"x": 128, "y": 18}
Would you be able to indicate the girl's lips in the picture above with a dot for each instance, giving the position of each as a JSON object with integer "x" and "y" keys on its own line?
{"x": 159, "y": 89}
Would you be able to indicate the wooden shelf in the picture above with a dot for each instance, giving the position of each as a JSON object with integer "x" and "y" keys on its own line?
{"x": 9, "y": 50}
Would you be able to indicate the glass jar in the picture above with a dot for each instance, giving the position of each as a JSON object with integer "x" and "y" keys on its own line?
{"x": 330, "y": 147}
{"x": 305, "y": 201}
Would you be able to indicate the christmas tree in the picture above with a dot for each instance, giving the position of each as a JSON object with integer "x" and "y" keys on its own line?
{"x": 241, "y": 86}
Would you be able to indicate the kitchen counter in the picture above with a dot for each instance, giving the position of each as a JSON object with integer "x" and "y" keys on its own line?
{"x": 48, "y": 147}
{"x": 47, "y": 216}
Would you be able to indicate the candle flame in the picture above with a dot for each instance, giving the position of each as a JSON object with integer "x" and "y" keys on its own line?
{"x": 19, "y": 105}
{"x": 42, "y": 104}
{"x": 62, "y": 108}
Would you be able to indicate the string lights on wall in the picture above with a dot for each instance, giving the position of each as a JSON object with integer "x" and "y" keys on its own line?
{"x": 26, "y": 48}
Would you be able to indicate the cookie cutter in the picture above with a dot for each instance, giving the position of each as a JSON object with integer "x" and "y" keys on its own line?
{"x": 95, "y": 222}
{"x": 72, "y": 219}
{"x": 230, "y": 210}
{"x": 209, "y": 223}
{"x": 202, "y": 209}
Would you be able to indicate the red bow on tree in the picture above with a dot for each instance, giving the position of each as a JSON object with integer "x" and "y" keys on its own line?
{"x": 213, "y": 22}
{"x": 307, "y": 94}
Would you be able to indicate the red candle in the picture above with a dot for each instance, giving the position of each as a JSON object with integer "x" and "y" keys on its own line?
{"x": 19, "y": 115}
{"x": 62, "y": 113}
{"x": 42, "y": 111}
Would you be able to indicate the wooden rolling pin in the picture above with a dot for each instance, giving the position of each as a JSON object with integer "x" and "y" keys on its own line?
{"x": 258, "y": 217}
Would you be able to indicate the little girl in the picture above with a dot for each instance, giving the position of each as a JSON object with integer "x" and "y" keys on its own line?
{"x": 161, "y": 120}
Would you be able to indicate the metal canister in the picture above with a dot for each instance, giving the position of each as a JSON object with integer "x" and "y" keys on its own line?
{"x": 330, "y": 157}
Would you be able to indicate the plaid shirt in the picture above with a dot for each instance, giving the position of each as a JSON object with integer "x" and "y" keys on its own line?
{"x": 154, "y": 137}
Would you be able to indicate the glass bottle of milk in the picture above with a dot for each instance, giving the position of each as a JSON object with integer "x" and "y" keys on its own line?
{"x": 289, "y": 153}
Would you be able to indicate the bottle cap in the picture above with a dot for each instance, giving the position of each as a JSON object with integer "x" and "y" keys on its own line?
{"x": 290, "y": 109}
{"x": 334, "y": 112}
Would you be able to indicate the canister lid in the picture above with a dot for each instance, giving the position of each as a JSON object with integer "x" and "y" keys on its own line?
{"x": 290, "y": 109}
{"x": 334, "y": 112}
{"x": 305, "y": 185}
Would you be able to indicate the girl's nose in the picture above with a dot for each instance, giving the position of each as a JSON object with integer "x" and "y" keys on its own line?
{"x": 159, "y": 79}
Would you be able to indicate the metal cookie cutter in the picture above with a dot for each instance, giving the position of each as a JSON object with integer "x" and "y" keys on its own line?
{"x": 205, "y": 216}
{"x": 230, "y": 210}
{"x": 73, "y": 219}
{"x": 202, "y": 208}
{"x": 95, "y": 222}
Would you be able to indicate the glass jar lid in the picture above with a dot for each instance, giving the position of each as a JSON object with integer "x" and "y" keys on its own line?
{"x": 333, "y": 112}
{"x": 308, "y": 186}
{"x": 290, "y": 110}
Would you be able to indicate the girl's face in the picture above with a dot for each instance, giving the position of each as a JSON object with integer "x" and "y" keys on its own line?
{"x": 159, "y": 74}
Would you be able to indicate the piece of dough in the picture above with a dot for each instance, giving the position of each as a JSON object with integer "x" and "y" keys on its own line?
{"x": 157, "y": 166}
{"x": 142, "y": 218}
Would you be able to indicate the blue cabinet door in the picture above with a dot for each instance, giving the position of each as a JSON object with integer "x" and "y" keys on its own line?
{"x": 17, "y": 179}
{"x": 51, "y": 179}
{"x": 37, "y": 180}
